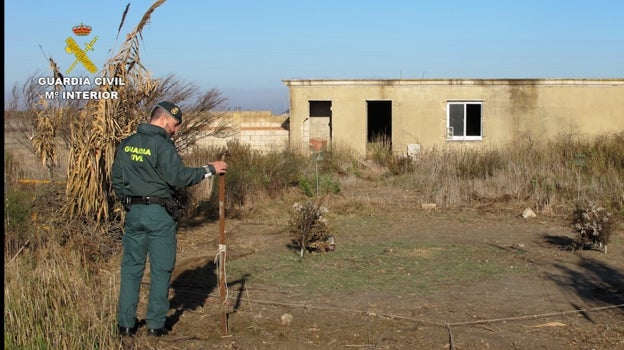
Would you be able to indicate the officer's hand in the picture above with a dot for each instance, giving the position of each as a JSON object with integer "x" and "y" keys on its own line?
{"x": 219, "y": 166}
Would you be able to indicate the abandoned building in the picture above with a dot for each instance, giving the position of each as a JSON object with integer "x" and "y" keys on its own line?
{"x": 411, "y": 114}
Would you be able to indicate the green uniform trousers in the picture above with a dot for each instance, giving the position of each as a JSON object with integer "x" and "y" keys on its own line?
{"x": 149, "y": 231}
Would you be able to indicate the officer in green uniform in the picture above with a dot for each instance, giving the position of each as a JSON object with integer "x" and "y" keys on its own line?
{"x": 146, "y": 168}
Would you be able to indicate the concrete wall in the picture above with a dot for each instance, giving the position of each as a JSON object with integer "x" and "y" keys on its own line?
{"x": 259, "y": 129}
{"x": 511, "y": 109}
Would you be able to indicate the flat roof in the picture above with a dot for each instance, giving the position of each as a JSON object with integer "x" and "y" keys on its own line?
{"x": 399, "y": 82}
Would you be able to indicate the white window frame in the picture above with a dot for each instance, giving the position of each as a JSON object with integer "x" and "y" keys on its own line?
{"x": 450, "y": 129}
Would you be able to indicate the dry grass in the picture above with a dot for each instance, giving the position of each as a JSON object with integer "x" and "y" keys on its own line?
{"x": 544, "y": 176}
{"x": 49, "y": 302}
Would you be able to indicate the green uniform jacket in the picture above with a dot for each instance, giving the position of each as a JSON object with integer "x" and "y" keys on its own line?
{"x": 148, "y": 164}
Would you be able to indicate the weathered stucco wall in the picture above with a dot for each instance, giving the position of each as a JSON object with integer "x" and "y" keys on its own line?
{"x": 511, "y": 109}
{"x": 261, "y": 130}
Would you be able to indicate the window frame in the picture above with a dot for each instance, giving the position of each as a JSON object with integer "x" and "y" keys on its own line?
{"x": 450, "y": 129}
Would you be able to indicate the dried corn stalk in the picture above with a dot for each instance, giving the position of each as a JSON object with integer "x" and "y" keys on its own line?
{"x": 102, "y": 124}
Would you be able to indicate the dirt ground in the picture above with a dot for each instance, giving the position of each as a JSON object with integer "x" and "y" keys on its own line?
{"x": 564, "y": 300}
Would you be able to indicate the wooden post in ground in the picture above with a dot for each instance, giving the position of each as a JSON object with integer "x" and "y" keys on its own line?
{"x": 222, "y": 256}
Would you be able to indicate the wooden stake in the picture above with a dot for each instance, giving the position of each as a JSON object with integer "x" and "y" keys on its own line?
{"x": 222, "y": 255}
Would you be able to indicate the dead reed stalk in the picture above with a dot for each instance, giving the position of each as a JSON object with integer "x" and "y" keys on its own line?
{"x": 102, "y": 124}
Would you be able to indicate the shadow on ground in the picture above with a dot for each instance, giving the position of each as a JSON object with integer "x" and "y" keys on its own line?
{"x": 559, "y": 242}
{"x": 592, "y": 280}
{"x": 191, "y": 290}
{"x": 193, "y": 287}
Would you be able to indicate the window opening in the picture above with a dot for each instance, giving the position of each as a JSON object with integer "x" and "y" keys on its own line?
{"x": 464, "y": 121}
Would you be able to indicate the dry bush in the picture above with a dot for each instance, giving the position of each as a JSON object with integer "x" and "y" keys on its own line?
{"x": 254, "y": 173}
{"x": 201, "y": 116}
{"x": 593, "y": 225}
{"x": 251, "y": 175}
{"x": 308, "y": 223}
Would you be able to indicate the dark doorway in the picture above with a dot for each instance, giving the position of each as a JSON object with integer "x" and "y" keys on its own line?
{"x": 379, "y": 121}
{"x": 320, "y": 124}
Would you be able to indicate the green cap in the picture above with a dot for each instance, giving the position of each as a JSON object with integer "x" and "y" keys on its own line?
{"x": 172, "y": 109}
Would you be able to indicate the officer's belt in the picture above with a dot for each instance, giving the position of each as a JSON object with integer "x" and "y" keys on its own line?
{"x": 147, "y": 200}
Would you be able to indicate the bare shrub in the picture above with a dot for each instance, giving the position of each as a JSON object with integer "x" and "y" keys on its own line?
{"x": 593, "y": 226}
{"x": 252, "y": 175}
{"x": 309, "y": 225}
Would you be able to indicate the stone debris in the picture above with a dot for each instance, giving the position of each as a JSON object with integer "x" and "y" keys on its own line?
{"x": 528, "y": 213}
{"x": 287, "y": 319}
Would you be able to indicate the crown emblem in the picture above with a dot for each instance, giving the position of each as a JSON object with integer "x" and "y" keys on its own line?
{"x": 81, "y": 30}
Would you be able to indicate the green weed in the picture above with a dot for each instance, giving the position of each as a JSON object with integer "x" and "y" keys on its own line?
{"x": 391, "y": 266}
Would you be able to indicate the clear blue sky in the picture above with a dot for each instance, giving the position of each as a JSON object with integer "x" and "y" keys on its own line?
{"x": 245, "y": 48}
